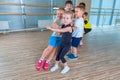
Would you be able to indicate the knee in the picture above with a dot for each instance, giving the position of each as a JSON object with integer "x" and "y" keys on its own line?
{"x": 49, "y": 48}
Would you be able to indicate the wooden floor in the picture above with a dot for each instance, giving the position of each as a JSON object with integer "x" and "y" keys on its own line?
{"x": 99, "y": 58}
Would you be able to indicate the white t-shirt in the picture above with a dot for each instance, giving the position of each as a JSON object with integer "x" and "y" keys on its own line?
{"x": 59, "y": 22}
{"x": 79, "y": 23}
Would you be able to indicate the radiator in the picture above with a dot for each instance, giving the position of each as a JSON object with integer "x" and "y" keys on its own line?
{"x": 43, "y": 23}
{"x": 4, "y": 25}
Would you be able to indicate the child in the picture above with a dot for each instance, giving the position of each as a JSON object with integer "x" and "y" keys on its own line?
{"x": 54, "y": 43}
{"x": 82, "y": 4}
{"x": 78, "y": 33}
{"x": 66, "y": 42}
{"x": 69, "y": 6}
{"x": 87, "y": 25}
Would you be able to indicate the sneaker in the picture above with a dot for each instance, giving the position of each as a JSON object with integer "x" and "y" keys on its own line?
{"x": 39, "y": 65}
{"x": 65, "y": 70}
{"x": 54, "y": 68}
{"x": 46, "y": 65}
{"x": 73, "y": 57}
{"x": 69, "y": 55}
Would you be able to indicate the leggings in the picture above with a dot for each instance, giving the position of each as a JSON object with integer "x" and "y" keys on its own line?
{"x": 61, "y": 53}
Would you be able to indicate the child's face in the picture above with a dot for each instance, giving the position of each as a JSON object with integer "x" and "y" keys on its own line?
{"x": 68, "y": 7}
{"x": 78, "y": 12}
{"x": 67, "y": 19}
{"x": 60, "y": 14}
{"x": 84, "y": 16}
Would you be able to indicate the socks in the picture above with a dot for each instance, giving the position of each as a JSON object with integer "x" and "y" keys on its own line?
{"x": 40, "y": 60}
{"x": 47, "y": 61}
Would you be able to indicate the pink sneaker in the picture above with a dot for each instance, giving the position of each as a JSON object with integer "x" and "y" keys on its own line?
{"x": 46, "y": 66}
{"x": 39, "y": 65}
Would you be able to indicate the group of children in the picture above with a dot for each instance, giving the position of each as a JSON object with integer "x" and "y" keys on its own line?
{"x": 68, "y": 30}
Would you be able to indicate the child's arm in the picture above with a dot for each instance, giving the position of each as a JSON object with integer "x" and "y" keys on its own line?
{"x": 54, "y": 25}
{"x": 67, "y": 29}
{"x": 74, "y": 27}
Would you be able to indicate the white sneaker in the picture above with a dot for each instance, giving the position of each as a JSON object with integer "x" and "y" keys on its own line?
{"x": 54, "y": 68}
{"x": 65, "y": 70}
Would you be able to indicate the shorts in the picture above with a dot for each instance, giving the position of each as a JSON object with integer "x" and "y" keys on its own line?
{"x": 55, "y": 41}
{"x": 76, "y": 41}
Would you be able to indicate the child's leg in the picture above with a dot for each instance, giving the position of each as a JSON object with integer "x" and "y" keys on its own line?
{"x": 81, "y": 42}
{"x": 52, "y": 54}
{"x": 57, "y": 43}
{"x": 74, "y": 50}
{"x": 55, "y": 67}
{"x": 64, "y": 51}
{"x": 52, "y": 44}
{"x": 46, "y": 52}
{"x": 57, "y": 40}
{"x": 75, "y": 44}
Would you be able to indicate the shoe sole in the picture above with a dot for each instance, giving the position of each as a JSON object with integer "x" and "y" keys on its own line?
{"x": 72, "y": 59}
